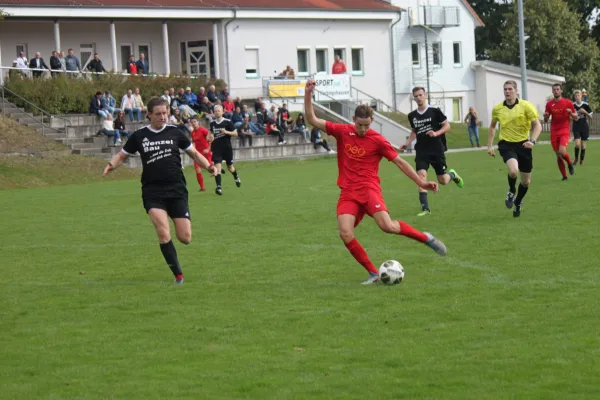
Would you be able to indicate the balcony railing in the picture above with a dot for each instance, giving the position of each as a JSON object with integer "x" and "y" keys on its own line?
{"x": 434, "y": 16}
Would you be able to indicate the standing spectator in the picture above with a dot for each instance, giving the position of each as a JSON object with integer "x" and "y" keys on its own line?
{"x": 63, "y": 62}
{"x": 212, "y": 95}
{"x": 22, "y": 64}
{"x": 96, "y": 64}
{"x": 244, "y": 133}
{"x": 128, "y": 105}
{"x": 137, "y": 100}
{"x": 55, "y": 64}
{"x": 285, "y": 118}
{"x": 228, "y": 107}
{"x": 288, "y": 73}
{"x": 585, "y": 96}
{"x": 96, "y": 106}
{"x": 237, "y": 119}
{"x": 119, "y": 124}
{"x": 131, "y": 66}
{"x": 224, "y": 94}
{"x": 143, "y": 67}
{"x": 315, "y": 137}
{"x": 72, "y": 63}
{"x": 472, "y": 122}
{"x": 110, "y": 103}
{"x": 300, "y": 127}
{"x": 37, "y": 63}
{"x": 338, "y": 65}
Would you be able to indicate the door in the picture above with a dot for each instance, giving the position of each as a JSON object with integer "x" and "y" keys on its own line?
{"x": 198, "y": 62}
{"x": 456, "y": 114}
{"x": 86, "y": 52}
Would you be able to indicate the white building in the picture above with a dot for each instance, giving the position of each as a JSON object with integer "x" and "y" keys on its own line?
{"x": 436, "y": 38}
{"x": 242, "y": 43}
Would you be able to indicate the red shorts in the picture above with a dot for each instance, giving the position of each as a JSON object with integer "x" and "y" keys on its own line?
{"x": 207, "y": 156}
{"x": 368, "y": 202}
{"x": 558, "y": 140}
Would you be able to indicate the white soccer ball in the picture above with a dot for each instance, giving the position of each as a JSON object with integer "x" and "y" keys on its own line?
{"x": 391, "y": 272}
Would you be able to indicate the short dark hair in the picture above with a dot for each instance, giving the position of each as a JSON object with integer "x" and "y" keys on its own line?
{"x": 557, "y": 84}
{"x": 417, "y": 88}
{"x": 98, "y": 93}
{"x": 157, "y": 102}
{"x": 363, "y": 111}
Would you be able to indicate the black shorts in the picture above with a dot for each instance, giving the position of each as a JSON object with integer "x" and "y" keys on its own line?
{"x": 437, "y": 161}
{"x": 220, "y": 154}
{"x": 176, "y": 207}
{"x": 581, "y": 133}
{"x": 516, "y": 150}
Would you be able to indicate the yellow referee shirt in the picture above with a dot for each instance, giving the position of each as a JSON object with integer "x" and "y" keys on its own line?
{"x": 515, "y": 121}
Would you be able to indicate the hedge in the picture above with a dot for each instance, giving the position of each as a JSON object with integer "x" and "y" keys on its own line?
{"x": 64, "y": 95}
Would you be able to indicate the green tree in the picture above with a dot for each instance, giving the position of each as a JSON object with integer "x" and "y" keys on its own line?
{"x": 493, "y": 13}
{"x": 554, "y": 46}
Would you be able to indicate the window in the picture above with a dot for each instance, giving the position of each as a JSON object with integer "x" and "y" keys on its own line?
{"x": 357, "y": 61}
{"x": 303, "y": 62}
{"x": 145, "y": 48}
{"x": 321, "y": 60}
{"x": 340, "y": 51}
{"x": 457, "y": 56}
{"x": 436, "y": 49}
{"x": 22, "y": 48}
{"x": 86, "y": 53}
{"x": 456, "y": 114}
{"x": 126, "y": 52}
{"x": 251, "y": 62}
{"x": 416, "y": 55}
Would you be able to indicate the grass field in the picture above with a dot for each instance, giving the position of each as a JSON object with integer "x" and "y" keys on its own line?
{"x": 272, "y": 307}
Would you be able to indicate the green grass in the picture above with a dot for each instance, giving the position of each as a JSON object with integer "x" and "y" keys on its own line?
{"x": 272, "y": 307}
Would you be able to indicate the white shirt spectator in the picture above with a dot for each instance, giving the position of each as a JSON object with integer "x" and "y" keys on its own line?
{"x": 127, "y": 102}
{"x": 108, "y": 125}
{"x": 22, "y": 63}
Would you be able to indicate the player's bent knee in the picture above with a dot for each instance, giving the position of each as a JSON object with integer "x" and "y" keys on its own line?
{"x": 346, "y": 236}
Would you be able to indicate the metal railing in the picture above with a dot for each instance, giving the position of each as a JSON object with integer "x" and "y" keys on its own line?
{"x": 43, "y": 115}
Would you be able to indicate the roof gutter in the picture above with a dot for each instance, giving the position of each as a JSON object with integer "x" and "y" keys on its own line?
{"x": 226, "y": 38}
{"x": 392, "y": 52}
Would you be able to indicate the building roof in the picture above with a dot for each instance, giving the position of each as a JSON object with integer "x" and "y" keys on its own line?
{"x": 491, "y": 65}
{"x": 471, "y": 10}
{"x": 332, "y": 5}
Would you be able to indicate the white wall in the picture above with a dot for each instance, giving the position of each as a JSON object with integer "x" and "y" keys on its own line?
{"x": 278, "y": 41}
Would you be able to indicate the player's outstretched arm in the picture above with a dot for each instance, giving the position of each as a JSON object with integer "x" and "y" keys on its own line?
{"x": 309, "y": 112}
{"x": 201, "y": 160}
{"x": 115, "y": 162}
{"x": 412, "y": 174}
{"x": 491, "y": 136}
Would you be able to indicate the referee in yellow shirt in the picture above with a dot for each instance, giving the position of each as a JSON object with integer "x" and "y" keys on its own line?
{"x": 516, "y": 117}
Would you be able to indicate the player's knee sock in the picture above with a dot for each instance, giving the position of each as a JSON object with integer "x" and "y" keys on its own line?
{"x": 235, "y": 175}
{"x": 567, "y": 158}
{"x": 522, "y": 192}
{"x": 582, "y": 154}
{"x": 423, "y": 200}
{"x": 200, "y": 179}
{"x": 512, "y": 184}
{"x": 360, "y": 255}
{"x": 409, "y": 231}
{"x": 170, "y": 255}
{"x": 561, "y": 167}
{"x": 577, "y": 154}
{"x": 218, "y": 180}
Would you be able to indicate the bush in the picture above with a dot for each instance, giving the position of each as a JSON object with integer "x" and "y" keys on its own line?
{"x": 63, "y": 95}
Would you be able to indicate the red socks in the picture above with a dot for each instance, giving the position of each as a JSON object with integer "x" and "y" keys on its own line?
{"x": 561, "y": 166}
{"x": 200, "y": 180}
{"x": 567, "y": 158}
{"x": 360, "y": 255}
{"x": 409, "y": 231}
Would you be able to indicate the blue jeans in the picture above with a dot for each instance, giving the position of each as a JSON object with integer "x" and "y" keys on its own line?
{"x": 237, "y": 124}
{"x": 474, "y": 133}
{"x": 116, "y": 134}
{"x": 256, "y": 128}
{"x": 113, "y": 110}
{"x": 138, "y": 113}
{"x": 102, "y": 114}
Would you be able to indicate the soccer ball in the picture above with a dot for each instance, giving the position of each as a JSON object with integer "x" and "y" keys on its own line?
{"x": 391, "y": 272}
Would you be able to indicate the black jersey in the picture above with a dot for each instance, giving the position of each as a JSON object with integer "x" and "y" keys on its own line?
{"x": 161, "y": 158}
{"x": 221, "y": 140}
{"x": 421, "y": 123}
{"x": 581, "y": 124}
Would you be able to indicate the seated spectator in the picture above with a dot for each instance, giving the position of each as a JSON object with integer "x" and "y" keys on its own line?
{"x": 262, "y": 116}
{"x": 131, "y": 66}
{"x": 253, "y": 126}
{"x": 237, "y": 119}
{"x": 238, "y": 102}
{"x": 285, "y": 118}
{"x": 109, "y": 130}
{"x": 128, "y": 105}
{"x": 110, "y": 103}
{"x": 228, "y": 107}
{"x": 201, "y": 95}
{"x": 166, "y": 96}
{"x": 37, "y": 63}
{"x": 176, "y": 118}
{"x": 206, "y": 110}
{"x": 273, "y": 129}
{"x": 212, "y": 95}
{"x": 315, "y": 137}
{"x": 300, "y": 127}
{"x": 244, "y": 132}
{"x": 96, "y": 64}
{"x": 224, "y": 94}
{"x": 258, "y": 104}
{"x": 137, "y": 99}
{"x": 192, "y": 99}
{"x": 272, "y": 111}
{"x": 182, "y": 101}
{"x": 96, "y": 106}
{"x": 186, "y": 117}
{"x": 119, "y": 124}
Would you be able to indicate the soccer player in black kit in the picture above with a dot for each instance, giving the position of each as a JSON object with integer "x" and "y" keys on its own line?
{"x": 164, "y": 191}
{"x": 223, "y": 130}
{"x": 429, "y": 125}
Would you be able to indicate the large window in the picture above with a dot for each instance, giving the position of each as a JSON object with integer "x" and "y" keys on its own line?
{"x": 358, "y": 61}
{"x": 340, "y": 51}
{"x": 86, "y": 54}
{"x": 457, "y": 56}
{"x": 126, "y": 52}
{"x": 252, "y": 62}
{"x": 416, "y": 55}
{"x": 303, "y": 61}
{"x": 322, "y": 60}
{"x": 436, "y": 49}
{"x": 22, "y": 48}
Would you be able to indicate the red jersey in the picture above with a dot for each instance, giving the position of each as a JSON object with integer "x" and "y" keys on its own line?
{"x": 560, "y": 111}
{"x": 199, "y": 138}
{"x": 359, "y": 156}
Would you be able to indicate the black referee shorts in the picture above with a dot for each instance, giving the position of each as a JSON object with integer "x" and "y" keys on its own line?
{"x": 581, "y": 133}
{"x": 176, "y": 207}
{"x": 220, "y": 154}
{"x": 437, "y": 162}
{"x": 516, "y": 150}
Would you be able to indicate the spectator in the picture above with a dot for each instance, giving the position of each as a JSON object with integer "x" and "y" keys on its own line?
{"x": 262, "y": 116}
{"x": 22, "y": 64}
{"x": 128, "y": 105}
{"x": 131, "y": 66}
{"x": 472, "y": 122}
{"x": 238, "y": 102}
{"x": 142, "y": 65}
{"x": 120, "y": 124}
{"x": 285, "y": 118}
{"x": 300, "y": 127}
{"x": 174, "y": 103}
{"x": 258, "y": 105}
{"x": 176, "y": 117}
{"x": 237, "y": 119}
{"x": 206, "y": 109}
{"x": 109, "y": 130}
{"x": 585, "y": 96}
{"x": 228, "y": 107}
{"x": 137, "y": 100}
{"x": 273, "y": 129}
{"x": 315, "y": 137}
{"x": 37, "y": 63}
{"x": 185, "y": 116}
{"x": 288, "y": 73}
{"x": 338, "y": 65}
{"x": 96, "y": 106}
{"x": 183, "y": 103}
{"x": 224, "y": 94}
{"x": 63, "y": 62}
{"x": 96, "y": 65}
{"x": 247, "y": 114}
{"x": 72, "y": 63}
{"x": 272, "y": 111}
{"x": 192, "y": 99}
{"x": 244, "y": 132}
{"x": 110, "y": 103}
{"x": 166, "y": 96}
{"x": 212, "y": 95}
{"x": 55, "y": 64}
{"x": 201, "y": 95}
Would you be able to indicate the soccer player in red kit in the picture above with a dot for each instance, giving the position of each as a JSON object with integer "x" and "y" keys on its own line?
{"x": 562, "y": 111}
{"x": 201, "y": 138}
{"x": 360, "y": 150}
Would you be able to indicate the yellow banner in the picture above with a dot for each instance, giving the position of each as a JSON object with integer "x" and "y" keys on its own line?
{"x": 286, "y": 88}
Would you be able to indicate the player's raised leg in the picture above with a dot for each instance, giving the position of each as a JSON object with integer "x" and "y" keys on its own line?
{"x": 346, "y": 224}
{"x": 450, "y": 176}
{"x": 233, "y": 171}
{"x": 160, "y": 220}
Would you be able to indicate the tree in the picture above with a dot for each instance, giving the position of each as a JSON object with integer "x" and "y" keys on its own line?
{"x": 493, "y": 13}
{"x": 554, "y": 46}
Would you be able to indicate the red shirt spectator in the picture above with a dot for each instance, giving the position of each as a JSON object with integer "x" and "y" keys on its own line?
{"x": 338, "y": 66}
{"x": 228, "y": 105}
